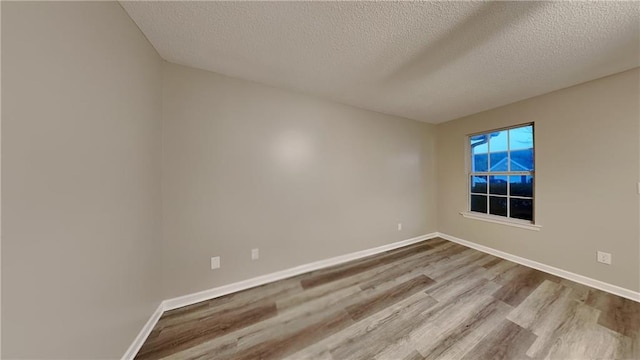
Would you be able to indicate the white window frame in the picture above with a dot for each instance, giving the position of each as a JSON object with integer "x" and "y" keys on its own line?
{"x": 506, "y": 220}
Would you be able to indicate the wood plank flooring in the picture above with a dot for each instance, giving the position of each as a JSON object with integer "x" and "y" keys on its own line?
{"x": 430, "y": 300}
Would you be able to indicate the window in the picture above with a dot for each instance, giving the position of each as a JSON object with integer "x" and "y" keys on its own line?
{"x": 501, "y": 173}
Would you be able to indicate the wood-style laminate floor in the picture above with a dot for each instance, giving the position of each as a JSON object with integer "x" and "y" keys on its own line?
{"x": 431, "y": 300}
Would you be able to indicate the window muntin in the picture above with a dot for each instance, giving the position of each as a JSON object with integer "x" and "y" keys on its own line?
{"x": 501, "y": 173}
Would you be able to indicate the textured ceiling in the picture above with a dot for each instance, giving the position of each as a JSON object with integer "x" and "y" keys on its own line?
{"x": 429, "y": 61}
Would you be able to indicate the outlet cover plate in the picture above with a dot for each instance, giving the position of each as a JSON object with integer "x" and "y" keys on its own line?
{"x": 215, "y": 262}
{"x": 604, "y": 257}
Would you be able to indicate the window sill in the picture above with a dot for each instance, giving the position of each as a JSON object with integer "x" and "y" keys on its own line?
{"x": 501, "y": 220}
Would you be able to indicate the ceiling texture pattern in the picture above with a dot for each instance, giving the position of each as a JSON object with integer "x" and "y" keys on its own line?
{"x": 428, "y": 61}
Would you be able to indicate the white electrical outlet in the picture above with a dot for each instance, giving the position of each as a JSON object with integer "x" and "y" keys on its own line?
{"x": 399, "y": 226}
{"x": 215, "y": 262}
{"x": 255, "y": 254}
{"x": 604, "y": 257}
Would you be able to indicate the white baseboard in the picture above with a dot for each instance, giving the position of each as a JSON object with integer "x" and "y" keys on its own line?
{"x": 601, "y": 285}
{"x": 283, "y": 274}
{"x": 194, "y": 298}
{"x": 144, "y": 333}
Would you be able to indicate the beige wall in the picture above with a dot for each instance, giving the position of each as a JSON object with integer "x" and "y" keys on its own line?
{"x": 587, "y": 167}
{"x": 81, "y": 127}
{"x": 86, "y": 237}
{"x": 249, "y": 166}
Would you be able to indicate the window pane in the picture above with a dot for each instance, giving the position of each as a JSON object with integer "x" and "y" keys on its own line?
{"x": 479, "y": 154}
{"x": 479, "y": 184}
{"x": 479, "y": 203}
{"x": 522, "y": 209}
{"x": 498, "y": 185}
{"x": 521, "y": 185}
{"x": 521, "y": 148}
{"x": 498, "y": 147}
{"x": 498, "y": 206}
